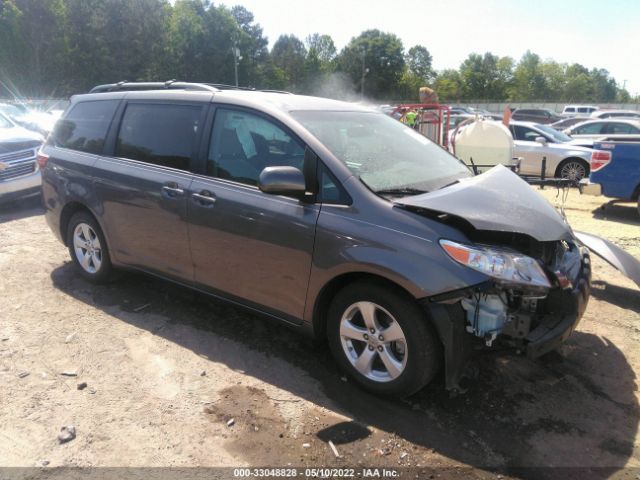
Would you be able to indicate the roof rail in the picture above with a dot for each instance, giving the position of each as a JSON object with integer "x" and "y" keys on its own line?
{"x": 277, "y": 91}
{"x": 168, "y": 85}
{"x": 222, "y": 86}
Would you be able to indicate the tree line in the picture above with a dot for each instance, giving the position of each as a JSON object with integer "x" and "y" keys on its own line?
{"x": 55, "y": 48}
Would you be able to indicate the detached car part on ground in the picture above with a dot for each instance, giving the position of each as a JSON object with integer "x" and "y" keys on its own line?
{"x": 333, "y": 218}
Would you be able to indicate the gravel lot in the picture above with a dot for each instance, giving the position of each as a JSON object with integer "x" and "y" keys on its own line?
{"x": 177, "y": 379}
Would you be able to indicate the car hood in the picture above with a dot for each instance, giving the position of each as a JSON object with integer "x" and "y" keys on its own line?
{"x": 571, "y": 146}
{"x": 497, "y": 200}
{"x": 580, "y": 143}
{"x": 18, "y": 134}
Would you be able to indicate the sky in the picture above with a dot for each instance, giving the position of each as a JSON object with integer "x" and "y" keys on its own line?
{"x": 597, "y": 34}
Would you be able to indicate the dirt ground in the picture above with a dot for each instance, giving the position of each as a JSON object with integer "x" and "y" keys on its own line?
{"x": 176, "y": 379}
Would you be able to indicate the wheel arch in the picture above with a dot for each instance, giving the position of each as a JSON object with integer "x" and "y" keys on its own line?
{"x": 333, "y": 286}
{"x": 68, "y": 211}
{"x": 568, "y": 159}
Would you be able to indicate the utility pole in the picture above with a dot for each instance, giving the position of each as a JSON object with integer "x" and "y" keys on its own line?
{"x": 364, "y": 72}
{"x": 236, "y": 58}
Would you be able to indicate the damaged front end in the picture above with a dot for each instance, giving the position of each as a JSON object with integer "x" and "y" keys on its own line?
{"x": 534, "y": 299}
{"x": 538, "y": 272}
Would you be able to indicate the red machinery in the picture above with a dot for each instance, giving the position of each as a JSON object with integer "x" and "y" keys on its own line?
{"x": 432, "y": 120}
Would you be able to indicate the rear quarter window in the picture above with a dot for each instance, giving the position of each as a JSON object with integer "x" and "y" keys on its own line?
{"x": 85, "y": 127}
{"x": 160, "y": 134}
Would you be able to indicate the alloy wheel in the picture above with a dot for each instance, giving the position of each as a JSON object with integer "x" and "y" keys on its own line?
{"x": 86, "y": 245}
{"x": 573, "y": 171}
{"x": 373, "y": 341}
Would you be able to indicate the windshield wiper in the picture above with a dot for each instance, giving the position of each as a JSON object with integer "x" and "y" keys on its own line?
{"x": 401, "y": 192}
{"x": 449, "y": 184}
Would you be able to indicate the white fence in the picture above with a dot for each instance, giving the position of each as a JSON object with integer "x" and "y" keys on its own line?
{"x": 555, "y": 107}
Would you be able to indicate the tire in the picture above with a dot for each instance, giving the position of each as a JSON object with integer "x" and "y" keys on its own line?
{"x": 393, "y": 368}
{"x": 573, "y": 168}
{"x": 88, "y": 248}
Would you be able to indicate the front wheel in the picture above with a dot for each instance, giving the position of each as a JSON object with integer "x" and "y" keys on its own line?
{"x": 382, "y": 339}
{"x": 88, "y": 248}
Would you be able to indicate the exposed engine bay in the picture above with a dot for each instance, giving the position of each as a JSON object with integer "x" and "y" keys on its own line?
{"x": 515, "y": 312}
{"x": 532, "y": 310}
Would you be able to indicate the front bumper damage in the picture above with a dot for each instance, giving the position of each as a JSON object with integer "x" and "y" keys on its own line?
{"x": 490, "y": 315}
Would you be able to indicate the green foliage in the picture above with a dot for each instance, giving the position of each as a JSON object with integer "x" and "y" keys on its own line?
{"x": 448, "y": 85}
{"x": 418, "y": 61}
{"x": 319, "y": 63}
{"x": 289, "y": 54}
{"x": 382, "y": 57}
{"x": 62, "y": 47}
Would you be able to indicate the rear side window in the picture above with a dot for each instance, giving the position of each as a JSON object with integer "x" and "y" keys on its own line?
{"x": 590, "y": 129}
{"x": 162, "y": 135}
{"x": 85, "y": 126}
{"x": 524, "y": 133}
{"x": 621, "y": 128}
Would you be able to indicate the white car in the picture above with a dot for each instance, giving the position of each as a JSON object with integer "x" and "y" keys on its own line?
{"x": 578, "y": 110}
{"x": 601, "y": 128}
{"x": 615, "y": 114}
{"x": 533, "y": 142}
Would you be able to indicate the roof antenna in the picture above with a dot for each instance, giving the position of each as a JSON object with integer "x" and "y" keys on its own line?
{"x": 169, "y": 82}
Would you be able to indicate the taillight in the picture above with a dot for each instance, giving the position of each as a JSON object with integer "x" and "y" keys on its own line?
{"x": 599, "y": 159}
{"x": 42, "y": 160}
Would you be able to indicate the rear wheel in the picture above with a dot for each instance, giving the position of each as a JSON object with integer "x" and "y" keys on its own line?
{"x": 88, "y": 248}
{"x": 572, "y": 169}
{"x": 382, "y": 339}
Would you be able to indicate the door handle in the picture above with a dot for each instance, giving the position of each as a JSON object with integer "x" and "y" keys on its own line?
{"x": 205, "y": 198}
{"x": 172, "y": 189}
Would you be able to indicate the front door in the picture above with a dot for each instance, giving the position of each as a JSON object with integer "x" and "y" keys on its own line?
{"x": 248, "y": 245}
{"x": 529, "y": 150}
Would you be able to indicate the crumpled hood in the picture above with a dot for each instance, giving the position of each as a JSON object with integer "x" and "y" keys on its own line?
{"x": 497, "y": 200}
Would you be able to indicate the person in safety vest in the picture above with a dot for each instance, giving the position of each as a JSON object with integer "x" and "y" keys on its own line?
{"x": 411, "y": 118}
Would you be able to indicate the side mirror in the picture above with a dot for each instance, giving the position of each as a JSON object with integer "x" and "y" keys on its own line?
{"x": 287, "y": 181}
{"x": 541, "y": 140}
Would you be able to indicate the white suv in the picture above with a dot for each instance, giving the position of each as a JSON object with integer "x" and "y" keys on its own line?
{"x": 19, "y": 173}
{"x": 575, "y": 110}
